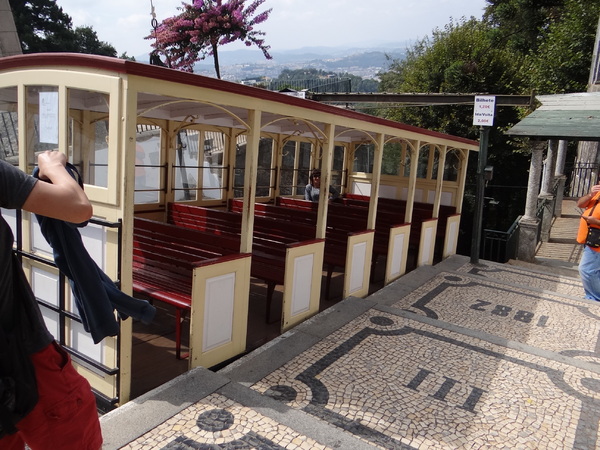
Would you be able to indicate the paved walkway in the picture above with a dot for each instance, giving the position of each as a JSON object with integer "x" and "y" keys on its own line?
{"x": 454, "y": 356}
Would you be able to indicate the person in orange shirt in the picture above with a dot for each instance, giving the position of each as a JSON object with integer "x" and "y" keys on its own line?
{"x": 589, "y": 265}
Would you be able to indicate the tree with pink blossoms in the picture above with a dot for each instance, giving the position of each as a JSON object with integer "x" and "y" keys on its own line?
{"x": 203, "y": 26}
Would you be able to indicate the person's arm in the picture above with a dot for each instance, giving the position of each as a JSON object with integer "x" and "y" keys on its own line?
{"x": 62, "y": 198}
{"x": 584, "y": 201}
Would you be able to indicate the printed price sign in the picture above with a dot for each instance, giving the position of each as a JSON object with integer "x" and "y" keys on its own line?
{"x": 483, "y": 112}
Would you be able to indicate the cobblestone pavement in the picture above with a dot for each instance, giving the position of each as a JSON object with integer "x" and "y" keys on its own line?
{"x": 454, "y": 356}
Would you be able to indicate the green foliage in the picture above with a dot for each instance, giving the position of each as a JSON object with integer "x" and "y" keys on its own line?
{"x": 519, "y": 24}
{"x": 519, "y": 47}
{"x": 457, "y": 59}
{"x": 461, "y": 58}
{"x": 42, "y": 26}
{"x": 86, "y": 41}
{"x": 562, "y": 61}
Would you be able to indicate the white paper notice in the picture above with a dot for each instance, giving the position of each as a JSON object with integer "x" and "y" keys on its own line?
{"x": 49, "y": 117}
{"x": 483, "y": 112}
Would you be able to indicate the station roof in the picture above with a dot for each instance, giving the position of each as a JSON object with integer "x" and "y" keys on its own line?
{"x": 564, "y": 117}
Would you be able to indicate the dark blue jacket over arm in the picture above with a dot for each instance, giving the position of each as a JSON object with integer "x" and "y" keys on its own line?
{"x": 96, "y": 295}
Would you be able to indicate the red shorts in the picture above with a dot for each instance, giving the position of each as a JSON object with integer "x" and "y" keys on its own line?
{"x": 65, "y": 416}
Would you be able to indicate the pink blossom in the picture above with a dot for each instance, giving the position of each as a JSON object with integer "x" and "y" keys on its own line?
{"x": 202, "y": 25}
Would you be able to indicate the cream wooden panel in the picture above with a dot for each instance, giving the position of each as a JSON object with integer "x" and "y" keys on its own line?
{"x": 358, "y": 264}
{"x": 447, "y": 198}
{"x": 451, "y": 238}
{"x": 397, "y": 253}
{"x": 427, "y": 243}
{"x": 219, "y": 316}
{"x": 361, "y": 188}
{"x": 388, "y": 191}
{"x": 302, "y": 289}
{"x": 219, "y": 306}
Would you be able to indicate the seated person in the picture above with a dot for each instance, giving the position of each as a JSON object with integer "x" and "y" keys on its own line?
{"x": 313, "y": 189}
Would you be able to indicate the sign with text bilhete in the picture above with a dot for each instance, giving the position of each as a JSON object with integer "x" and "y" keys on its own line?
{"x": 483, "y": 112}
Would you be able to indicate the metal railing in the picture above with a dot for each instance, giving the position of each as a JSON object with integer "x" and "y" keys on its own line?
{"x": 580, "y": 178}
{"x": 64, "y": 315}
{"x": 501, "y": 246}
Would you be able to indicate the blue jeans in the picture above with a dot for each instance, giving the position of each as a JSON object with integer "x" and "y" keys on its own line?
{"x": 589, "y": 270}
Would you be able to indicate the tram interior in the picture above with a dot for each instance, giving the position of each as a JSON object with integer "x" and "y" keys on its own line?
{"x": 194, "y": 152}
{"x": 201, "y": 175}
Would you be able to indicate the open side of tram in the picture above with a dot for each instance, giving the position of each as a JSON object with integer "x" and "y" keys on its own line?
{"x": 198, "y": 193}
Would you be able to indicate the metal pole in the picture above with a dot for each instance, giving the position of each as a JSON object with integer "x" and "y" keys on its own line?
{"x": 484, "y": 133}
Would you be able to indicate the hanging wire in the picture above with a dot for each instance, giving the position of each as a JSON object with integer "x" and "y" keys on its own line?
{"x": 154, "y": 57}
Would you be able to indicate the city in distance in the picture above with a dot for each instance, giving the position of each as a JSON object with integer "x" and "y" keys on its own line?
{"x": 244, "y": 64}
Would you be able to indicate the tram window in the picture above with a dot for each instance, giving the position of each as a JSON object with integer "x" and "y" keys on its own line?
{"x": 303, "y": 166}
{"x": 88, "y": 134}
{"x": 451, "y": 166}
{"x": 148, "y": 168}
{"x": 339, "y": 152}
{"x": 436, "y": 164}
{"x": 288, "y": 158}
{"x": 212, "y": 171}
{"x": 363, "y": 158}
{"x": 264, "y": 168}
{"x": 9, "y": 144}
{"x": 406, "y": 163}
{"x": 186, "y": 165}
{"x": 392, "y": 154}
{"x": 295, "y": 167}
{"x": 423, "y": 162}
{"x": 198, "y": 169}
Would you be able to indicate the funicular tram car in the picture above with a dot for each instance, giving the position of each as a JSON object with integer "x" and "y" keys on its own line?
{"x": 198, "y": 186}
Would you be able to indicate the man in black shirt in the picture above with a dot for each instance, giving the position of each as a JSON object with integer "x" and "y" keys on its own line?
{"x": 65, "y": 416}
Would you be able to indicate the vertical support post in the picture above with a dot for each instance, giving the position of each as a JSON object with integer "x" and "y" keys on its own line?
{"x": 528, "y": 225}
{"x": 559, "y": 175}
{"x": 549, "y": 168}
{"x": 252, "y": 144}
{"x": 439, "y": 181}
{"x": 412, "y": 182}
{"x": 462, "y": 176}
{"x": 546, "y": 194}
{"x": 375, "y": 182}
{"x": 561, "y": 157}
{"x": 326, "y": 163}
{"x": 484, "y": 134}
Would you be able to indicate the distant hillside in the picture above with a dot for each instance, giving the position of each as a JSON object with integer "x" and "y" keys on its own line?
{"x": 247, "y": 63}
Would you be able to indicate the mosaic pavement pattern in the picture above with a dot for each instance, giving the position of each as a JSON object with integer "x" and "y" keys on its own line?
{"x": 543, "y": 320}
{"x": 217, "y": 422}
{"x": 396, "y": 381}
{"x": 400, "y": 383}
{"x": 511, "y": 274}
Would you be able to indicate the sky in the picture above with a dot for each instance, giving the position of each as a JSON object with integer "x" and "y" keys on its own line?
{"x": 293, "y": 24}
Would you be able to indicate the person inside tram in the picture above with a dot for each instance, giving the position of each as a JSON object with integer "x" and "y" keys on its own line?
{"x": 313, "y": 189}
{"x": 64, "y": 415}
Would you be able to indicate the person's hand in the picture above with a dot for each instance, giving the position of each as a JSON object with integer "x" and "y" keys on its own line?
{"x": 595, "y": 189}
{"x": 591, "y": 220}
{"x": 49, "y": 161}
